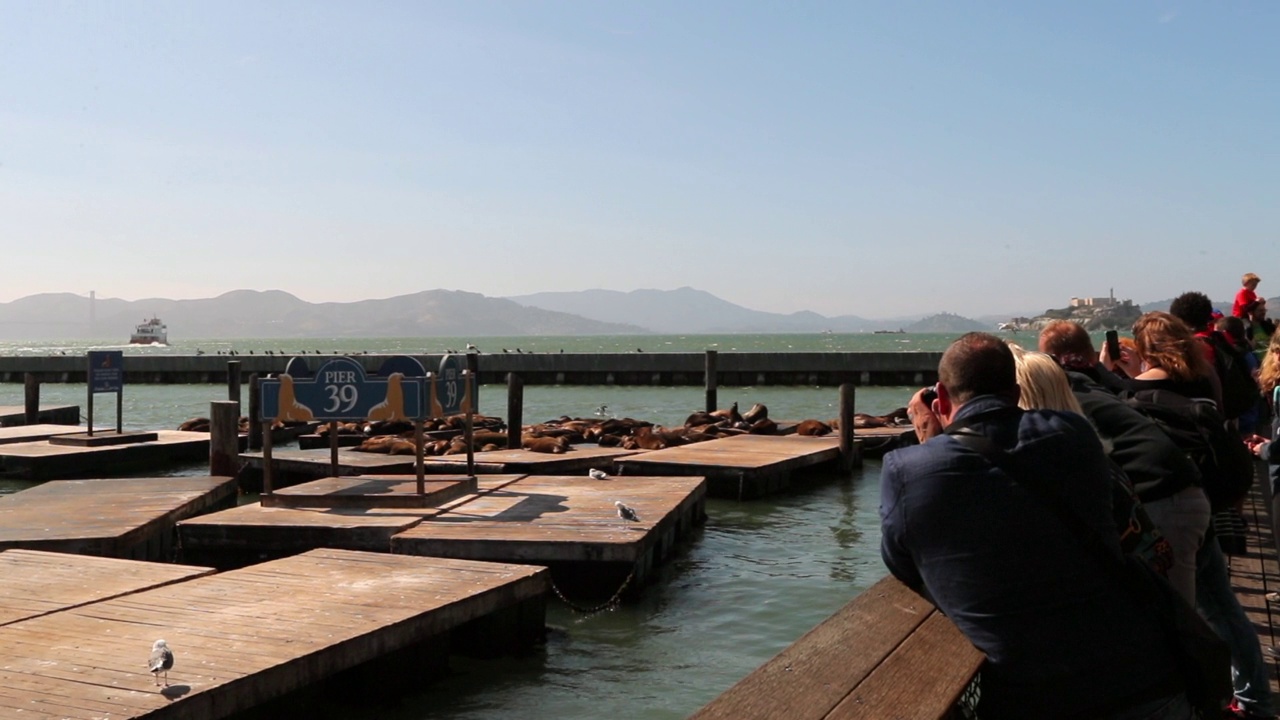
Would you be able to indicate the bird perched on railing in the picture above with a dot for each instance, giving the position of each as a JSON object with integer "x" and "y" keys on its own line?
{"x": 626, "y": 512}
{"x": 161, "y": 661}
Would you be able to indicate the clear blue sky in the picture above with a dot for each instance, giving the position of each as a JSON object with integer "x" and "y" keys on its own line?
{"x": 876, "y": 159}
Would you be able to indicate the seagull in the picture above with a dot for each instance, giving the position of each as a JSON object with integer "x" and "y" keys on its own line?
{"x": 602, "y": 411}
{"x": 626, "y": 512}
{"x": 162, "y": 660}
{"x": 595, "y": 474}
{"x": 472, "y": 348}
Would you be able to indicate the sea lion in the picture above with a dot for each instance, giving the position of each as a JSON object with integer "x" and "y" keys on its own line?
{"x": 813, "y": 428}
{"x": 392, "y": 408}
{"x": 290, "y": 409}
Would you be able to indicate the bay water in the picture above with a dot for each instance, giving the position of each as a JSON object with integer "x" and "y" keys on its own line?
{"x": 756, "y": 577}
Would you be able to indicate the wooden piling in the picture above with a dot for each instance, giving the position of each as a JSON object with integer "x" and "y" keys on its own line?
{"x": 31, "y": 399}
{"x": 515, "y": 410}
{"x": 849, "y": 457}
{"x": 224, "y": 438}
{"x": 233, "y": 382}
{"x": 711, "y": 377}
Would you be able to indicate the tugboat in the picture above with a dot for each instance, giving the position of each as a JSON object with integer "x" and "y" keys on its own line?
{"x": 150, "y": 332}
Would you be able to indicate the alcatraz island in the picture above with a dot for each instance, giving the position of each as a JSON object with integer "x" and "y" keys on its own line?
{"x": 1095, "y": 313}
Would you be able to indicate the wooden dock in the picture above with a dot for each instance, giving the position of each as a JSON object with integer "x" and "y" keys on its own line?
{"x": 579, "y": 459}
{"x": 742, "y": 467}
{"x": 37, "y": 583}
{"x": 569, "y": 524}
{"x": 368, "y": 491}
{"x": 42, "y": 460}
{"x": 122, "y": 518}
{"x": 244, "y": 637}
{"x": 35, "y": 433}
{"x": 14, "y": 415}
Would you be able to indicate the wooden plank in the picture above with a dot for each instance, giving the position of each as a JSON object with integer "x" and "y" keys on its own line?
{"x": 814, "y": 674}
{"x": 921, "y": 680}
{"x": 246, "y": 636}
{"x": 749, "y": 452}
{"x": 37, "y": 582}
{"x": 106, "y": 516}
{"x": 59, "y": 414}
{"x": 579, "y": 458}
{"x": 1256, "y": 574}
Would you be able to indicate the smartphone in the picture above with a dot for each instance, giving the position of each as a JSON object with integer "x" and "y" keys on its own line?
{"x": 1113, "y": 345}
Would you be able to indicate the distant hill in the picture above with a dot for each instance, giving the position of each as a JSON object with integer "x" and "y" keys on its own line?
{"x": 946, "y": 323}
{"x": 253, "y": 314}
{"x": 686, "y": 310}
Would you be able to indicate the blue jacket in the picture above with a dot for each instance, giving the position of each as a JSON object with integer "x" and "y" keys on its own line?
{"x": 1061, "y": 640}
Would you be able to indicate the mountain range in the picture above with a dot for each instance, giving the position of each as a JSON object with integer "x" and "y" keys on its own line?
{"x": 442, "y": 313}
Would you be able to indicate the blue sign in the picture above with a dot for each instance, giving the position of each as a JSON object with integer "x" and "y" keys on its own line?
{"x": 339, "y": 390}
{"x": 106, "y": 371}
{"x": 449, "y": 392}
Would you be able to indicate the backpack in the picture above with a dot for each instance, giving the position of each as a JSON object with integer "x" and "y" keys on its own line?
{"x": 1240, "y": 391}
{"x": 1198, "y": 429}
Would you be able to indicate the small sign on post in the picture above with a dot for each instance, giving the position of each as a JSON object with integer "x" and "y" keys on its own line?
{"x": 106, "y": 374}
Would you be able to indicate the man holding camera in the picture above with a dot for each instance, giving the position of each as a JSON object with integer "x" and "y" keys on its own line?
{"x": 1061, "y": 639}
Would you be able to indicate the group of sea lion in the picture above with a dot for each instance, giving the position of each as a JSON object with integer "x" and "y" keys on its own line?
{"x": 559, "y": 435}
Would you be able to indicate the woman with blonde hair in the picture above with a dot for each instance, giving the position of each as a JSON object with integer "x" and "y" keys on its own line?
{"x": 1269, "y": 373}
{"x": 1043, "y": 382}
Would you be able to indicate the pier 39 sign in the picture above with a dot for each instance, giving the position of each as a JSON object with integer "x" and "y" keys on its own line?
{"x": 340, "y": 390}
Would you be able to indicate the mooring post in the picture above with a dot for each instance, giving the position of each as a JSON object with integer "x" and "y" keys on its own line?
{"x": 849, "y": 455}
{"x": 233, "y": 381}
{"x": 31, "y": 398}
{"x": 224, "y": 438}
{"x": 473, "y": 367}
{"x": 710, "y": 380}
{"x": 255, "y": 409}
{"x": 515, "y": 410}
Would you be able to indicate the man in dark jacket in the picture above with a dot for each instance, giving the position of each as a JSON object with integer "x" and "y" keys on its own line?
{"x": 1061, "y": 638}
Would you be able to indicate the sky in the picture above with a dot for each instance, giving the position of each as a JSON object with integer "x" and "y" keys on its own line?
{"x": 878, "y": 159}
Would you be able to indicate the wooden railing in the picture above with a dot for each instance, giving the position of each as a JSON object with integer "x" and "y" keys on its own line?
{"x": 887, "y": 654}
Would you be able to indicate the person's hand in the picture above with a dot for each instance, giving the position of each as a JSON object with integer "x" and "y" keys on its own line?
{"x": 1128, "y": 362}
{"x": 922, "y": 417}
{"x": 1255, "y": 444}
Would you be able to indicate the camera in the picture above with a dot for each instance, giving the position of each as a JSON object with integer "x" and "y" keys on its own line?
{"x": 929, "y": 395}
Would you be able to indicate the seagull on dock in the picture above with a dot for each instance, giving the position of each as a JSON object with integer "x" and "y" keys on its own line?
{"x": 161, "y": 661}
{"x": 595, "y": 474}
{"x": 626, "y": 512}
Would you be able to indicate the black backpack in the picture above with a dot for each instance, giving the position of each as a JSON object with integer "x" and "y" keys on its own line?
{"x": 1197, "y": 427}
{"x": 1240, "y": 391}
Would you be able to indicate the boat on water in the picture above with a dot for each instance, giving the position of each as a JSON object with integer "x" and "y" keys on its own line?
{"x": 150, "y": 332}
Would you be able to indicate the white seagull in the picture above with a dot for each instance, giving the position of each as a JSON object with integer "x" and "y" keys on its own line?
{"x": 472, "y": 348}
{"x": 598, "y": 474}
{"x": 626, "y": 512}
{"x": 161, "y": 661}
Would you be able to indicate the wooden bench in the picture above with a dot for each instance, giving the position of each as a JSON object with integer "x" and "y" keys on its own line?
{"x": 888, "y": 653}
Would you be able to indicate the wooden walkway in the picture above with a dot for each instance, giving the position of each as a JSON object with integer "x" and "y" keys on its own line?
{"x": 887, "y": 654}
{"x": 37, "y": 583}
{"x": 744, "y": 466}
{"x": 35, "y": 433}
{"x": 244, "y": 637}
{"x": 43, "y": 460}
{"x": 123, "y": 518}
{"x": 363, "y": 491}
{"x": 579, "y": 459}
{"x": 1257, "y": 574}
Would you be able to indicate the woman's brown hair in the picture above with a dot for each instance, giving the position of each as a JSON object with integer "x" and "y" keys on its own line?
{"x": 1166, "y": 342}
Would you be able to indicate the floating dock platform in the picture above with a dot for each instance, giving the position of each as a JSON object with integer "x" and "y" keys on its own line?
{"x": 567, "y": 523}
{"x": 245, "y": 637}
{"x": 122, "y": 518}
{"x": 43, "y": 460}
{"x": 741, "y": 467}
{"x": 37, "y": 583}
{"x": 13, "y": 415}
{"x": 35, "y": 433}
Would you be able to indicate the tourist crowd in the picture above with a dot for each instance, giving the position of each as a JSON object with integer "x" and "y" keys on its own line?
{"x": 1070, "y": 508}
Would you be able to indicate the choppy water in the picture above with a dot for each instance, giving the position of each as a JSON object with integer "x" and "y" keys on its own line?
{"x": 759, "y": 575}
